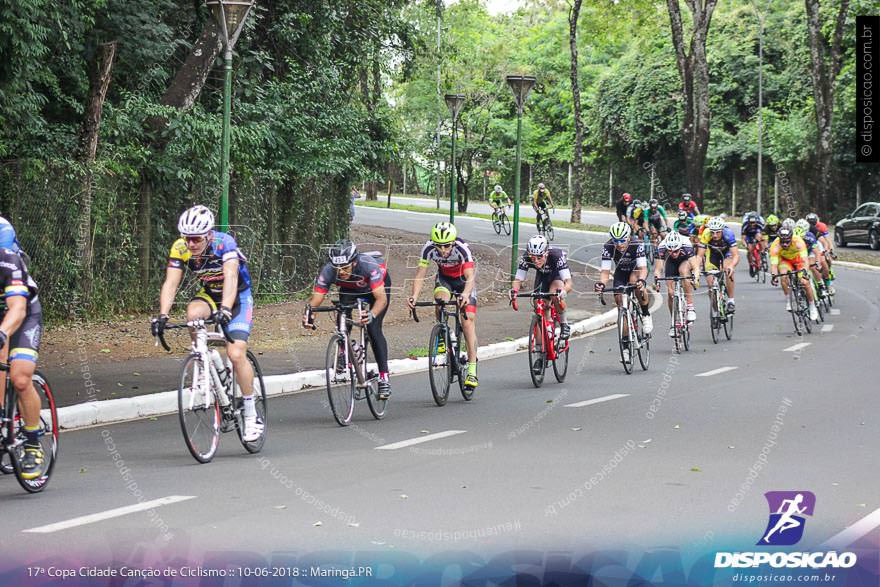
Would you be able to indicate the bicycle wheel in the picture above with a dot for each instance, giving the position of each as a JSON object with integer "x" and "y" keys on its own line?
{"x": 677, "y": 324}
{"x": 340, "y": 381}
{"x": 644, "y": 342}
{"x": 795, "y": 309}
{"x": 727, "y": 322}
{"x": 548, "y": 229}
{"x": 260, "y": 403}
{"x": 623, "y": 337}
{"x": 537, "y": 351}
{"x": 48, "y": 439}
{"x": 804, "y": 308}
{"x": 505, "y": 224}
{"x": 714, "y": 317}
{"x": 198, "y": 408}
{"x": 377, "y": 406}
{"x": 496, "y": 223}
{"x": 560, "y": 364}
{"x": 439, "y": 364}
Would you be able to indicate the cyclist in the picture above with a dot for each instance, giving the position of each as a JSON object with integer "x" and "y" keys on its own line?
{"x": 357, "y": 276}
{"x": 636, "y": 216}
{"x": 771, "y": 230}
{"x": 719, "y": 239}
{"x": 685, "y": 226}
{"x": 540, "y": 200}
{"x": 814, "y": 252}
{"x": 222, "y": 268}
{"x": 456, "y": 274}
{"x": 676, "y": 257}
{"x": 658, "y": 222}
{"x": 552, "y": 275}
{"x": 622, "y": 207}
{"x": 700, "y": 221}
{"x": 498, "y": 199}
{"x": 688, "y": 205}
{"x": 21, "y": 327}
{"x": 631, "y": 266}
{"x": 789, "y": 253}
{"x": 752, "y": 232}
{"x": 820, "y": 231}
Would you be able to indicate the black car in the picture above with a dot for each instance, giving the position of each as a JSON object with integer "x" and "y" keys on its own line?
{"x": 860, "y": 226}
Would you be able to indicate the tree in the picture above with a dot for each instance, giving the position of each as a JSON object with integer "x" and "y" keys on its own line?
{"x": 577, "y": 194}
{"x": 694, "y": 71}
{"x": 825, "y": 63}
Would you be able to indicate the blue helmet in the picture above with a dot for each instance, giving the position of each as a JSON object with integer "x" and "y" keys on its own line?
{"x": 7, "y": 235}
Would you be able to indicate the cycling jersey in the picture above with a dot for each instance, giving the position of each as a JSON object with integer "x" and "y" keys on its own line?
{"x": 16, "y": 281}
{"x": 556, "y": 267}
{"x": 539, "y": 197}
{"x": 796, "y": 250}
{"x": 689, "y": 207}
{"x": 622, "y": 209}
{"x": 819, "y": 229}
{"x": 750, "y": 233}
{"x": 811, "y": 242}
{"x": 368, "y": 273}
{"x": 684, "y": 227}
{"x": 657, "y": 213}
{"x": 771, "y": 231}
{"x": 670, "y": 263}
{"x": 631, "y": 258}
{"x": 723, "y": 244}
{"x": 454, "y": 264}
{"x": 498, "y": 198}
{"x": 208, "y": 266}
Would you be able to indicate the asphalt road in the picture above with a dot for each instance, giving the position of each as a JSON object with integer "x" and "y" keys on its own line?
{"x": 664, "y": 458}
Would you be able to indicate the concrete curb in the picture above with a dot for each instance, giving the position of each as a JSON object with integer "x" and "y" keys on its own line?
{"x": 165, "y": 402}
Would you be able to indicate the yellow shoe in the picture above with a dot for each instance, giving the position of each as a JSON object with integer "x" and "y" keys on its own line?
{"x": 441, "y": 347}
{"x": 471, "y": 381}
{"x": 32, "y": 462}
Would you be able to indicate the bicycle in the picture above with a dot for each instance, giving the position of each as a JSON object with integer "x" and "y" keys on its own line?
{"x": 446, "y": 363}
{"x": 718, "y": 316}
{"x": 500, "y": 220}
{"x": 346, "y": 367}
{"x": 543, "y": 222}
{"x": 821, "y": 294}
{"x": 759, "y": 262}
{"x": 629, "y": 321}
{"x": 797, "y": 298}
{"x": 209, "y": 399}
{"x": 12, "y": 436}
{"x": 682, "y": 327}
{"x": 544, "y": 345}
{"x": 645, "y": 236}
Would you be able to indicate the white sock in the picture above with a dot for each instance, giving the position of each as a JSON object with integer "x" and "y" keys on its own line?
{"x": 250, "y": 406}
{"x": 731, "y": 300}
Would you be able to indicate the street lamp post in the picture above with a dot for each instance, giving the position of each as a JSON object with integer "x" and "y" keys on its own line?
{"x": 521, "y": 85}
{"x": 454, "y": 102}
{"x": 230, "y": 16}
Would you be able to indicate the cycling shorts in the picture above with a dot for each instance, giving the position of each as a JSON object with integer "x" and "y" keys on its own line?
{"x": 239, "y": 328}
{"x": 451, "y": 285}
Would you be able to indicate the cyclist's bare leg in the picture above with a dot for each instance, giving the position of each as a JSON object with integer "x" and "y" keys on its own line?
{"x": 728, "y": 263}
{"x": 469, "y": 328}
{"x": 21, "y": 373}
{"x": 557, "y": 303}
{"x": 684, "y": 270}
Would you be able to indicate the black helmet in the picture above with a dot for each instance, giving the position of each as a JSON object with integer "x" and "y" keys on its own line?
{"x": 653, "y": 202}
{"x": 342, "y": 253}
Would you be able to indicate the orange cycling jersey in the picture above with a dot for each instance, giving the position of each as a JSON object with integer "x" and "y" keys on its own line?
{"x": 796, "y": 251}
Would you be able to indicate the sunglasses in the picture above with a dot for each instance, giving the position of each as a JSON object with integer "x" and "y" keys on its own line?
{"x": 194, "y": 239}
{"x": 443, "y": 247}
{"x": 620, "y": 241}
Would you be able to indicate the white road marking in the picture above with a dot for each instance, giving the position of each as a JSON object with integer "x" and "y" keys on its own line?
{"x": 715, "y": 371}
{"x": 796, "y": 347}
{"x": 827, "y": 327}
{"x": 845, "y": 538}
{"x": 419, "y": 440}
{"x": 834, "y": 312}
{"x": 106, "y": 515}
{"x": 590, "y": 402}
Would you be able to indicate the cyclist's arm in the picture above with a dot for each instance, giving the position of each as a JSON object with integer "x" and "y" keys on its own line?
{"x": 16, "y": 312}
{"x": 316, "y": 299}
{"x": 230, "y": 282}
{"x": 381, "y": 299}
{"x": 418, "y": 280}
{"x": 470, "y": 275}
{"x": 550, "y": 200}
{"x": 173, "y": 277}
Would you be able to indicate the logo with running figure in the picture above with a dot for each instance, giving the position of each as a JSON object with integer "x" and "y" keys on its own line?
{"x": 787, "y": 511}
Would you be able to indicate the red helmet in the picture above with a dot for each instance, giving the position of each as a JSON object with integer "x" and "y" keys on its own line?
{"x": 627, "y": 197}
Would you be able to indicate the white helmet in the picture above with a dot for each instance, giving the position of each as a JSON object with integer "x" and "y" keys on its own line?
{"x": 803, "y": 224}
{"x": 673, "y": 242}
{"x": 498, "y": 188}
{"x": 620, "y": 231}
{"x": 715, "y": 223}
{"x": 789, "y": 223}
{"x": 538, "y": 245}
{"x": 196, "y": 221}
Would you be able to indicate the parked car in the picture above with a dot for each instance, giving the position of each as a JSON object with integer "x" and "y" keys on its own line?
{"x": 859, "y": 226}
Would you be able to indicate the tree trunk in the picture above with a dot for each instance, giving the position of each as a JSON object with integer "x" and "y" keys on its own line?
{"x": 145, "y": 215}
{"x": 100, "y": 81}
{"x": 694, "y": 71}
{"x": 825, "y": 61}
{"x": 577, "y": 194}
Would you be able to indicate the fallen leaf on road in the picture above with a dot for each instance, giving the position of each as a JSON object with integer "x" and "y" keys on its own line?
{"x": 425, "y": 431}
{"x": 318, "y": 524}
{"x": 731, "y": 446}
{"x": 354, "y": 525}
{"x": 136, "y": 374}
{"x": 280, "y": 507}
{"x": 153, "y": 418}
{"x": 696, "y": 469}
{"x": 676, "y": 427}
{"x": 576, "y": 429}
{"x": 404, "y": 496}
{"x": 82, "y": 470}
{"x": 105, "y": 350}
{"x": 646, "y": 441}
